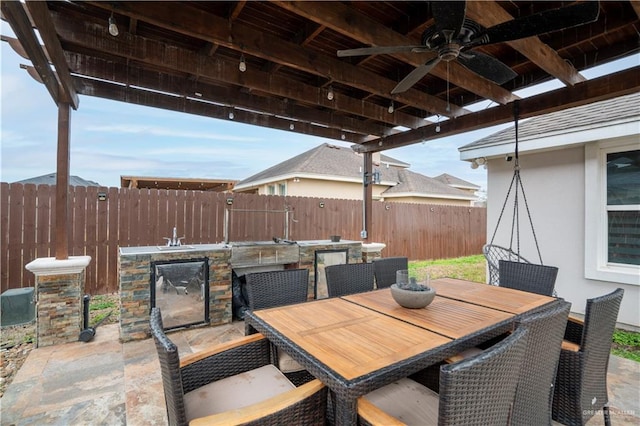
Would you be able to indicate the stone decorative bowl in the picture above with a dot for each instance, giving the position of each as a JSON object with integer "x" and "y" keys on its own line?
{"x": 413, "y": 299}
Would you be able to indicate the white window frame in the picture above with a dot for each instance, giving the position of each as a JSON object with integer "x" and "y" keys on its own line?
{"x": 282, "y": 188}
{"x": 596, "y": 265}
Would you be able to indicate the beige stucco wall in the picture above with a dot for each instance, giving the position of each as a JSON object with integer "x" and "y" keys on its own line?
{"x": 325, "y": 188}
{"x": 554, "y": 183}
{"x": 416, "y": 200}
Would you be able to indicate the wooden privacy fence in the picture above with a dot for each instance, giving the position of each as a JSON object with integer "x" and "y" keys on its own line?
{"x": 103, "y": 219}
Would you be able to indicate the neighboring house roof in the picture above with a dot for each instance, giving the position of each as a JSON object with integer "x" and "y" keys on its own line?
{"x": 600, "y": 120}
{"x": 411, "y": 184}
{"x": 325, "y": 161}
{"x": 335, "y": 163}
{"x": 456, "y": 182}
{"x": 50, "y": 179}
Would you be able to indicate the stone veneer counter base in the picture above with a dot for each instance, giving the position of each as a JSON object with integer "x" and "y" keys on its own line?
{"x": 134, "y": 270}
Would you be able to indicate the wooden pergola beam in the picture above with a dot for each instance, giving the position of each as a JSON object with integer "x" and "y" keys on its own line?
{"x": 490, "y": 13}
{"x": 606, "y": 87}
{"x": 42, "y": 18}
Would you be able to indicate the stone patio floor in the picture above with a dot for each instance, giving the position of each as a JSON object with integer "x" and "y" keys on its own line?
{"x": 105, "y": 382}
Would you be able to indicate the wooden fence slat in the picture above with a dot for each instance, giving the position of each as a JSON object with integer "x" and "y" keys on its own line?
{"x": 91, "y": 236}
{"x": 102, "y": 253}
{"x": 14, "y": 265}
{"x": 4, "y": 242}
{"x": 29, "y": 232}
{"x": 44, "y": 221}
{"x": 79, "y": 220}
{"x": 136, "y": 235}
{"x": 163, "y": 214}
{"x": 154, "y": 218}
{"x": 143, "y": 215}
{"x": 113, "y": 241}
{"x": 189, "y": 218}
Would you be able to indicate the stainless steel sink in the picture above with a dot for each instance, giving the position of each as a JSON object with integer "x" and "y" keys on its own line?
{"x": 172, "y": 248}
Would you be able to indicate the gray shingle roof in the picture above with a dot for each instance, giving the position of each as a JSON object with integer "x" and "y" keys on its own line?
{"x": 415, "y": 183}
{"x": 456, "y": 182}
{"x": 50, "y": 179}
{"x": 586, "y": 116}
{"x": 323, "y": 160}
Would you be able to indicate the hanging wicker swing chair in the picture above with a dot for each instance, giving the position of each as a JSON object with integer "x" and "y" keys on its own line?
{"x": 507, "y": 268}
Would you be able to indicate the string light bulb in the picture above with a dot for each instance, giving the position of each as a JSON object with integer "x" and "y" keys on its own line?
{"x": 330, "y": 93}
{"x": 242, "y": 66}
{"x": 391, "y": 108}
{"x": 231, "y": 115}
{"x": 113, "y": 28}
{"x": 438, "y": 124}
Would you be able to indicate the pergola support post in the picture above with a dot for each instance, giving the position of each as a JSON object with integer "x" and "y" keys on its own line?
{"x": 367, "y": 195}
{"x": 62, "y": 182}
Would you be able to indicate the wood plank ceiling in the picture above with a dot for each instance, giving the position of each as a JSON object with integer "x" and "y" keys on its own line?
{"x": 185, "y": 56}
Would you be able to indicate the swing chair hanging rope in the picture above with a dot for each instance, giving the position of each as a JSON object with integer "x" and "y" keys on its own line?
{"x": 517, "y": 181}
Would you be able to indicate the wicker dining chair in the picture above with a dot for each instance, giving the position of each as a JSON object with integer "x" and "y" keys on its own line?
{"x": 581, "y": 381}
{"x": 531, "y": 277}
{"x": 277, "y": 288}
{"x": 349, "y": 278}
{"x": 493, "y": 254}
{"x": 233, "y": 383}
{"x": 534, "y": 393}
{"x": 384, "y": 270}
{"x": 476, "y": 391}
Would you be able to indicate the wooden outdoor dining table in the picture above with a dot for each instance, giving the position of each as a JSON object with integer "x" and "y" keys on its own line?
{"x": 357, "y": 343}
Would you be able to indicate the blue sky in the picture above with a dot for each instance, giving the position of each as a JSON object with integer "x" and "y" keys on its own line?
{"x": 110, "y": 139}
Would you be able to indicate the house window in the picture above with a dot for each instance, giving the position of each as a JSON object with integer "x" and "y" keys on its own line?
{"x": 623, "y": 207}
{"x": 271, "y": 189}
{"x": 612, "y": 217}
{"x": 282, "y": 188}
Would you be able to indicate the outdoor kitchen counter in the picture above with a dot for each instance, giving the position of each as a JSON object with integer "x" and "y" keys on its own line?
{"x": 325, "y": 242}
{"x": 168, "y": 249}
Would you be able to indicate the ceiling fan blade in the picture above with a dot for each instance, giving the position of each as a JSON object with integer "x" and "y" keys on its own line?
{"x": 449, "y": 17}
{"x": 540, "y": 23}
{"x": 379, "y": 50}
{"x": 415, "y": 76}
{"x": 487, "y": 67}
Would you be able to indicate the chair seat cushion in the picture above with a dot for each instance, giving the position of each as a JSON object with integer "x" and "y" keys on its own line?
{"x": 288, "y": 364}
{"x": 408, "y": 401}
{"x": 236, "y": 391}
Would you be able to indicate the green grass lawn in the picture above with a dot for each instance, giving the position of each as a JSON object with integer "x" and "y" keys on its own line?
{"x": 626, "y": 344}
{"x": 472, "y": 268}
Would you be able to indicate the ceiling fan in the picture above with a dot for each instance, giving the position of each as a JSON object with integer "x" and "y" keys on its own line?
{"x": 453, "y": 35}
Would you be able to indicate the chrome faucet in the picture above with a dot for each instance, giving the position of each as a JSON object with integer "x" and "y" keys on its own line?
{"x": 174, "y": 241}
